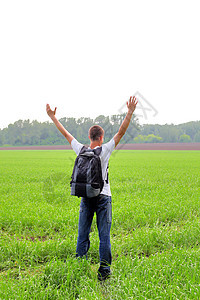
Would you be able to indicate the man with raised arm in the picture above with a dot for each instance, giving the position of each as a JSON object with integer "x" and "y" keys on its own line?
{"x": 102, "y": 203}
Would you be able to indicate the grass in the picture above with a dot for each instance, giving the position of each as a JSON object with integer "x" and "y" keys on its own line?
{"x": 155, "y": 229}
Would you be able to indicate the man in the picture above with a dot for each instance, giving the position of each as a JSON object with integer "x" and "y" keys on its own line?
{"x": 102, "y": 203}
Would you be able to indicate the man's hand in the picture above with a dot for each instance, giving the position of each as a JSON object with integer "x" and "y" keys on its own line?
{"x": 131, "y": 104}
{"x": 50, "y": 112}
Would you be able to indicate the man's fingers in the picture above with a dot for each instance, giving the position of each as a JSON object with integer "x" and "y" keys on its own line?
{"x": 48, "y": 106}
{"x": 134, "y": 99}
{"x": 132, "y": 102}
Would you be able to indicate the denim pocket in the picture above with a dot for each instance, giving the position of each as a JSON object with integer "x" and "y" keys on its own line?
{"x": 109, "y": 212}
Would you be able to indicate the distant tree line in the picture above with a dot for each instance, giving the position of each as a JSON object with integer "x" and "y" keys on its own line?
{"x": 170, "y": 133}
{"x": 45, "y": 133}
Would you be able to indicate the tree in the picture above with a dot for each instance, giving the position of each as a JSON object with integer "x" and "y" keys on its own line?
{"x": 139, "y": 139}
{"x": 2, "y": 139}
{"x": 151, "y": 138}
{"x": 197, "y": 137}
{"x": 184, "y": 138}
{"x": 190, "y": 128}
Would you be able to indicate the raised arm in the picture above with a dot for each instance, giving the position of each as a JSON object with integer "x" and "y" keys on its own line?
{"x": 131, "y": 105}
{"x": 60, "y": 127}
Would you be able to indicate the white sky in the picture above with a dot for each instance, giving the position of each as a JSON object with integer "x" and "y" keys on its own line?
{"x": 87, "y": 57}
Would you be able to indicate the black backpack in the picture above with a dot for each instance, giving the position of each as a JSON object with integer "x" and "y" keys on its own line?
{"x": 87, "y": 174}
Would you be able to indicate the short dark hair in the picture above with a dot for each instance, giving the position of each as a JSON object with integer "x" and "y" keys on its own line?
{"x": 95, "y": 132}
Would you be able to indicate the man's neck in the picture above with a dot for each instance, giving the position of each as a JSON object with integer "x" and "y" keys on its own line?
{"x": 95, "y": 144}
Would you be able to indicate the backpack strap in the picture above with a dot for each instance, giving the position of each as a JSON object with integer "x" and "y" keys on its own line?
{"x": 83, "y": 150}
{"x": 96, "y": 151}
{"x": 106, "y": 180}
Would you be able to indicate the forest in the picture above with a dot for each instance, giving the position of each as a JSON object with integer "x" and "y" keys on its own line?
{"x": 26, "y": 132}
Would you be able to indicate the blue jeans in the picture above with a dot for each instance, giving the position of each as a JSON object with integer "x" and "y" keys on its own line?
{"x": 103, "y": 208}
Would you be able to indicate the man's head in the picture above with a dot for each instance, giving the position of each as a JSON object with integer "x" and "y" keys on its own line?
{"x": 96, "y": 133}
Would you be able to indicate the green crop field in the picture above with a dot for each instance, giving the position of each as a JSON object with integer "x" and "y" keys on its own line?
{"x": 155, "y": 230}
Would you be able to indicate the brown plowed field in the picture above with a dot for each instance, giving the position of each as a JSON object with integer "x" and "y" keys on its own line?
{"x": 156, "y": 146}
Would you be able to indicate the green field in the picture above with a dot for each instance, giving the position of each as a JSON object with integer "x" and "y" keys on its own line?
{"x": 155, "y": 229}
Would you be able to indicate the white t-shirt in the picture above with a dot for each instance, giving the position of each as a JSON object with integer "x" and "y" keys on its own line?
{"x": 104, "y": 157}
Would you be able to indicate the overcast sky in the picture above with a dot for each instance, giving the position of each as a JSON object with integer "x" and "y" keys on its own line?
{"x": 87, "y": 57}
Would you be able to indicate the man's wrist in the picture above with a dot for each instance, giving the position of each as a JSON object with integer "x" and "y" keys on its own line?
{"x": 130, "y": 113}
{"x": 53, "y": 118}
